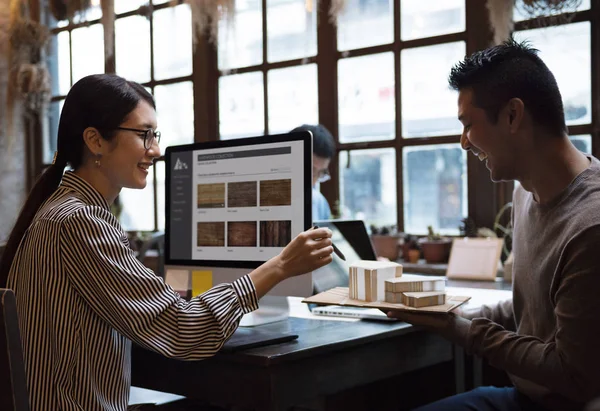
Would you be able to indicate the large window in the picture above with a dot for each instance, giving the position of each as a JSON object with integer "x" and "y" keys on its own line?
{"x": 275, "y": 90}
{"x": 267, "y": 81}
{"x": 378, "y": 108}
{"x": 377, "y": 80}
{"x": 153, "y": 46}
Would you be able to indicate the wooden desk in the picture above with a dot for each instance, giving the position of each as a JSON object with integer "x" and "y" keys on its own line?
{"x": 329, "y": 356}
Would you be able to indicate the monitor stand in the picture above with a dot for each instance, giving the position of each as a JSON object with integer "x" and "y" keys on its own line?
{"x": 272, "y": 308}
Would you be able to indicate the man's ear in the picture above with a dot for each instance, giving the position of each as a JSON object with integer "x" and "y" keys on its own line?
{"x": 93, "y": 140}
{"x": 516, "y": 113}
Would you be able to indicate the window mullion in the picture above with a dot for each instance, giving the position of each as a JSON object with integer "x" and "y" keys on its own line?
{"x": 327, "y": 72}
{"x": 110, "y": 65}
{"x": 595, "y": 45}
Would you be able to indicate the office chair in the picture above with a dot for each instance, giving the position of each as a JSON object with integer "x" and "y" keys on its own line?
{"x": 13, "y": 385}
{"x": 155, "y": 242}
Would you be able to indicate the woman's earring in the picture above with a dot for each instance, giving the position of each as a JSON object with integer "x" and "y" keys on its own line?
{"x": 97, "y": 161}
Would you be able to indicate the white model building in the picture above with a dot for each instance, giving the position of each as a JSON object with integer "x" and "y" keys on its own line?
{"x": 415, "y": 283}
{"x": 367, "y": 279}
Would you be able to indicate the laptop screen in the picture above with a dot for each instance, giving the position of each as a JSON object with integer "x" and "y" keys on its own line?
{"x": 352, "y": 239}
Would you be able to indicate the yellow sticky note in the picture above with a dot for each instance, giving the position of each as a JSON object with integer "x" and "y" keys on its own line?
{"x": 201, "y": 282}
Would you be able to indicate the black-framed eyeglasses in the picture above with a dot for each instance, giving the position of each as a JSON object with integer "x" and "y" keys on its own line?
{"x": 150, "y": 136}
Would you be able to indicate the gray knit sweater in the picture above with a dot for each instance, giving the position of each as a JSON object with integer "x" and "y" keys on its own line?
{"x": 548, "y": 337}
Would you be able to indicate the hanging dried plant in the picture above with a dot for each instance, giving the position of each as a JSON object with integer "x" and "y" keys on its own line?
{"x": 337, "y": 7}
{"x": 28, "y": 80}
{"x": 206, "y": 15}
{"x": 108, "y": 22}
{"x": 558, "y": 9}
{"x": 27, "y": 39}
{"x": 536, "y": 8}
{"x": 33, "y": 84}
{"x": 501, "y": 19}
{"x": 68, "y": 9}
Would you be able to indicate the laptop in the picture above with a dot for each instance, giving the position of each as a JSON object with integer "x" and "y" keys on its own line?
{"x": 351, "y": 312}
{"x": 353, "y": 240}
{"x": 352, "y": 236}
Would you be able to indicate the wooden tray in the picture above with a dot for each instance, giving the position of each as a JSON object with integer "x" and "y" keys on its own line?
{"x": 339, "y": 296}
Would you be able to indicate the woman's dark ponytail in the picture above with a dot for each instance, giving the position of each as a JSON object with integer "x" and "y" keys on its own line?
{"x": 43, "y": 188}
{"x": 102, "y": 101}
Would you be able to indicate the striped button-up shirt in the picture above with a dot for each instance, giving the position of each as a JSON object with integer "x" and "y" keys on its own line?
{"x": 82, "y": 297}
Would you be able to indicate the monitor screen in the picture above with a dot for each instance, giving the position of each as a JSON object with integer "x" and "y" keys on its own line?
{"x": 236, "y": 203}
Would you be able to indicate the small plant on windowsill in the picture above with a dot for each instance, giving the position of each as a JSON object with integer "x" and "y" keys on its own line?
{"x": 500, "y": 229}
{"x": 436, "y": 249}
{"x": 411, "y": 250}
{"x": 506, "y": 230}
{"x": 468, "y": 228}
{"x": 385, "y": 241}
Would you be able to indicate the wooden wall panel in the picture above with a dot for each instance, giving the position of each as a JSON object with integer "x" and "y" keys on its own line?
{"x": 241, "y": 234}
{"x": 276, "y": 193}
{"x": 275, "y": 233}
{"x": 211, "y": 234}
{"x": 211, "y": 195}
{"x": 241, "y": 194}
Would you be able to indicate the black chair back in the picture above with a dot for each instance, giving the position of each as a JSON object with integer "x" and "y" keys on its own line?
{"x": 13, "y": 384}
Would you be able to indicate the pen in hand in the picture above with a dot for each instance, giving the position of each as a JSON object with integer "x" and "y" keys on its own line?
{"x": 335, "y": 249}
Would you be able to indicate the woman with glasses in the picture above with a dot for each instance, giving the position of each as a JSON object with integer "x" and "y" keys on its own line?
{"x": 82, "y": 296}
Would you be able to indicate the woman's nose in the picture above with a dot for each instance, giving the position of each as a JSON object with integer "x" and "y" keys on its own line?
{"x": 154, "y": 150}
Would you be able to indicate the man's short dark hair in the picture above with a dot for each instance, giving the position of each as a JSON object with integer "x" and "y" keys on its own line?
{"x": 323, "y": 145}
{"x": 511, "y": 70}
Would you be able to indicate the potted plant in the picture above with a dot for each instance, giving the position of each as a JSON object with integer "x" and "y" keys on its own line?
{"x": 436, "y": 249}
{"x": 468, "y": 228}
{"x": 411, "y": 251}
{"x": 410, "y": 242}
{"x": 385, "y": 241}
{"x": 502, "y": 228}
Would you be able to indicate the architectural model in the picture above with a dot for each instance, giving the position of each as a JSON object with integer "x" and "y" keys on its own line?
{"x": 367, "y": 279}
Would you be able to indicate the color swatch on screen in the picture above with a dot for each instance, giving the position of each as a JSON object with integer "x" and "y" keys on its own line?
{"x": 275, "y": 233}
{"x": 241, "y": 234}
{"x": 211, "y": 195}
{"x": 211, "y": 234}
{"x": 242, "y": 194}
{"x": 276, "y": 192}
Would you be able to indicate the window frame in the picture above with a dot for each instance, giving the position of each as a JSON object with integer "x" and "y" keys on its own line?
{"x": 484, "y": 197}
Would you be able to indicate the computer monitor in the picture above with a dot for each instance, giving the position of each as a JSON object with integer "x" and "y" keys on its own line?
{"x": 232, "y": 205}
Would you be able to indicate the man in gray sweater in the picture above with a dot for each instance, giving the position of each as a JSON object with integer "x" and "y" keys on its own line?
{"x": 548, "y": 336}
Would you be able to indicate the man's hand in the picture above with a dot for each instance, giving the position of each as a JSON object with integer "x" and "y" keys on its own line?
{"x": 432, "y": 321}
{"x": 449, "y": 325}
